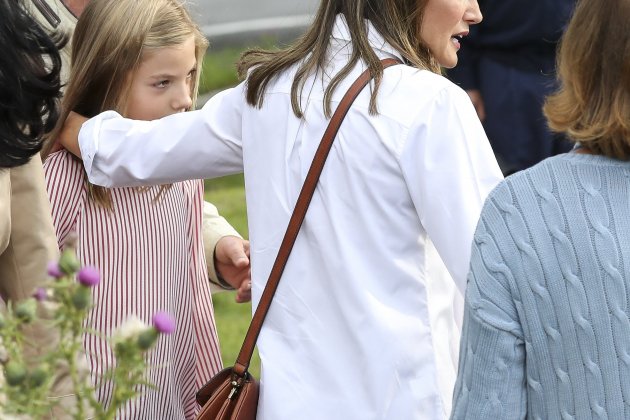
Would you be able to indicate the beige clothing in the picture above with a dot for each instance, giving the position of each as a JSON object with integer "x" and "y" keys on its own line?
{"x": 27, "y": 244}
{"x": 54, "y": 16}
{"x": 27, "y": 236}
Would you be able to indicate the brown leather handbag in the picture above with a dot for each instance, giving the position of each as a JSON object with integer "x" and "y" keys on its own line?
{"x": 232, "y": 394}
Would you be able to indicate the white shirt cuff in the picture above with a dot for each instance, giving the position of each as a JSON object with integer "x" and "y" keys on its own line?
{"x": 89, "y": 135}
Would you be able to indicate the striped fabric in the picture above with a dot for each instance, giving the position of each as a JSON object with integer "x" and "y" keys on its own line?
{"x": 150, "y": 254}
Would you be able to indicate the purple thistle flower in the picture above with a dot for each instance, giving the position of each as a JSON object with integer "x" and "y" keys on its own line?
{"x": 164, "y": 322}
{"x": 40, "y": 294}
{"x": 89, "y": 276}
{"x": 54, "y": 270}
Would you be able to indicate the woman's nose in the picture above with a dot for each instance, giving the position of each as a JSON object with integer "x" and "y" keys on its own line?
{"x": 473, "y": 15}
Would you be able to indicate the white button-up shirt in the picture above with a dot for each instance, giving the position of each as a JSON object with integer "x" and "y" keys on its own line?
{"x": 360, "y": 327}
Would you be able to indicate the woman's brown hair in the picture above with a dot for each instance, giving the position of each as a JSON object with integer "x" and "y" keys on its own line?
{"x": 398, "y": 21}
{"x": 592, "y": 105}
{"x": 108, "y": 46}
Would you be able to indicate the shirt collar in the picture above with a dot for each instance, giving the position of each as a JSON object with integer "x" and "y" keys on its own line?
{"x": 376, "y": 40}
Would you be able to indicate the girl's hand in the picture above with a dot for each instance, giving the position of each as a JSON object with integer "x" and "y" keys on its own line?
{"x": 232, "y": 264}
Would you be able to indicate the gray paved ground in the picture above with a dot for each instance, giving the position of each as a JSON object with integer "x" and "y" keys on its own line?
{"x": 238, "y": 21}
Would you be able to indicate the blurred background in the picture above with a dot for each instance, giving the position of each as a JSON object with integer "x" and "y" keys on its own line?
{"x": 232, "y": 26}
{"x": 234, "y": 22}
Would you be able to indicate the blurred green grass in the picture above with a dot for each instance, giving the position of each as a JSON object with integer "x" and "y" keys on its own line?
{"x": 219, "y": 69}
{"x": 219, "y": 66}
{"x": 232, "y": 319}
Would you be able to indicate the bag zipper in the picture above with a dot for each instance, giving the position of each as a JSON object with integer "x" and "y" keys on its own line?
{"x": 48, "y": 13}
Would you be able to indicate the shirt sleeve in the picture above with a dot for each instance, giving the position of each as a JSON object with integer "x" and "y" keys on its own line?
{"x": 206, "y": 143}
{"x": 449, "y": 168}
{"x": 491, "y": 376}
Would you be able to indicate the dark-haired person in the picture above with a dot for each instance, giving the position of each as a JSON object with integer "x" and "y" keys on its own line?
{"x": 547, "y": 321}
{"x": 359, "y": 328}
{"x": 29, "y": 88}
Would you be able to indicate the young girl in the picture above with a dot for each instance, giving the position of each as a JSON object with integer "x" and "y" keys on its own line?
{"x": 142, "y": 59}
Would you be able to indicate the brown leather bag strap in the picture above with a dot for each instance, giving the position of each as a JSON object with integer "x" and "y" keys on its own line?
{"x": 304, "y": 199}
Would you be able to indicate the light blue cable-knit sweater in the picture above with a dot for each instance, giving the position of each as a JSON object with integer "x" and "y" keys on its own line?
{"x": 547, "y": 323}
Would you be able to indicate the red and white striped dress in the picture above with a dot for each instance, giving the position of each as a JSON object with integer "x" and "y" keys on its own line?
{"x": 150, "y": 255}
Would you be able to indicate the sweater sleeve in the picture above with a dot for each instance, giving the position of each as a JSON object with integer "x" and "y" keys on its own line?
{"x": 491, "y": 376}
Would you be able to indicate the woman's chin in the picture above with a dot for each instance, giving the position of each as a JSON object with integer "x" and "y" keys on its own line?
{"x": 448, "y": 63}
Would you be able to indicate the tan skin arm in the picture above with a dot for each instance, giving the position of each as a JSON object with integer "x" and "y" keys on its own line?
{"x": 69, "y": 136}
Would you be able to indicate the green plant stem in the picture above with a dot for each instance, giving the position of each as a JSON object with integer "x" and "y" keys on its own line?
{"x": 76, "y": 382}
{"x": 72, "y": 328}
{"x": 127, "y": 375}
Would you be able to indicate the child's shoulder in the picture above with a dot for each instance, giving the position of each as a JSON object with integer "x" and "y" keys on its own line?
{"x": 64, "y": 171}
{"x": 63, "y": 161}
{"x": 190, "y": 187}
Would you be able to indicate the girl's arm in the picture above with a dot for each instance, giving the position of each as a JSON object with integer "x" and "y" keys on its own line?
{"x": 227, "y": 254}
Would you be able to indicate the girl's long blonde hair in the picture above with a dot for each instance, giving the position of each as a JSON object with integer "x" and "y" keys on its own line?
{"x": 398, "y": 21}
{"x": 108, "y": 46}
{"x": 592, "y": 105}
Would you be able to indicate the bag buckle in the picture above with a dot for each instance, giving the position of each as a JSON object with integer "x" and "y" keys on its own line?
{"x": 234, "y": 391}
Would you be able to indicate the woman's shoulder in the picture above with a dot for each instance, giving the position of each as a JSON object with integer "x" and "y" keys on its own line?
{"x": 421, "y": 80}
{"x": 190, "y": 187}
{"x": 407, "y": 91}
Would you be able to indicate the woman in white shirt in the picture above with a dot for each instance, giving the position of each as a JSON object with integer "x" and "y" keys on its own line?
{"x": 358, "y": 328}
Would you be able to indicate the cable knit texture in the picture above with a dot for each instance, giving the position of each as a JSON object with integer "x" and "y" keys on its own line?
{"x": 547, "y": 321}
